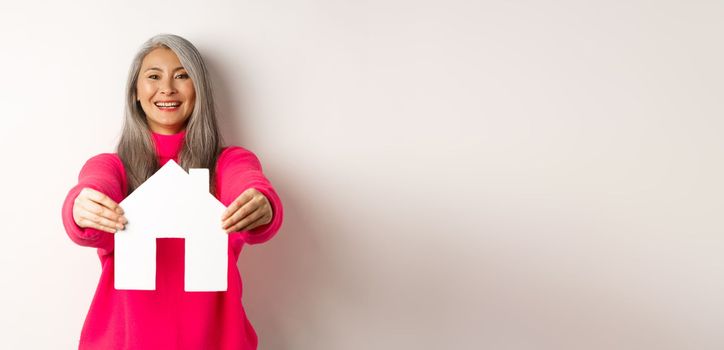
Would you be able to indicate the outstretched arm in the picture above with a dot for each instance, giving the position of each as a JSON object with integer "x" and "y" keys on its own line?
{"x": 239, "y": 169}
{"x": 103, "y": 173}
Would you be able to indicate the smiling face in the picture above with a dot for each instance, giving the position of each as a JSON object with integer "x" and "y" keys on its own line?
{"x": 166, "y": 91}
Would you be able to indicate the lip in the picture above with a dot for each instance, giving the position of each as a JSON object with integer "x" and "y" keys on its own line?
{"x": 168, "y": 109}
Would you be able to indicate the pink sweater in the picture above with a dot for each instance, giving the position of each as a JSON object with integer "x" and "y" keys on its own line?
{"x": 168, "y": 317}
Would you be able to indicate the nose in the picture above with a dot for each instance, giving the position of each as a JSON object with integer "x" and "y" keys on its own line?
{"x": 167, "y": 87}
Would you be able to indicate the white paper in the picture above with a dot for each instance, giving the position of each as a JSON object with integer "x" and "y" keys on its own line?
{"x": 172, "y": 204}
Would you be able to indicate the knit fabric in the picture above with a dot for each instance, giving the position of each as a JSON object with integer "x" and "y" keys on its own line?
{"x": 169, "y": 317}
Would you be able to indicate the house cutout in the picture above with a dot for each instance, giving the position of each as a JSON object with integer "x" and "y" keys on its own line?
{"x": 172, "y": 204}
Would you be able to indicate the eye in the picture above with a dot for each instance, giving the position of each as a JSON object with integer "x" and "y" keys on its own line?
{"x": 152, "y": 76}
{"x": 183, "y": 76}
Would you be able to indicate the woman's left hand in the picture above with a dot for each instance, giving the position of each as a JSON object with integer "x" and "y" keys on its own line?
{"x": 250, "y": 210}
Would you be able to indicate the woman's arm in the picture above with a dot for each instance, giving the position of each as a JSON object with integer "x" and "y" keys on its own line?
{"x": 237, "y": 170}
{"x": 104, "y": 173}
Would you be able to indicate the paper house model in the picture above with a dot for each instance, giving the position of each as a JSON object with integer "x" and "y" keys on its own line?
{"x": 172, "y": 204}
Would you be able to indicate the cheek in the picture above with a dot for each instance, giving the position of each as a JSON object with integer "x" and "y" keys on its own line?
{"x": 190, "y": 94}
{"x": 143, "y": 90}
{"x": 189, "y": 91}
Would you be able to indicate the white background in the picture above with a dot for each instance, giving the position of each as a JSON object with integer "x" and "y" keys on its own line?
{"x": 455, "y": 174}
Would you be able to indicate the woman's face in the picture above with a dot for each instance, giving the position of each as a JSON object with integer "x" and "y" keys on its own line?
{"x": 162, "y": 78}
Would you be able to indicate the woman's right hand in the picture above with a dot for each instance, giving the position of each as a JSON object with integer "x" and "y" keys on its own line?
{"x": 96, "y": 210}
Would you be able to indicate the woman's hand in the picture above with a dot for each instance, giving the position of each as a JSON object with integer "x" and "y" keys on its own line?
{"x": 96, "y": 210}
{"x": 250, "y": 210}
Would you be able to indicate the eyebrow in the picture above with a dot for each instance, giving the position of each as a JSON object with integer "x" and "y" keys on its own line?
{"x": 159, "y": 69}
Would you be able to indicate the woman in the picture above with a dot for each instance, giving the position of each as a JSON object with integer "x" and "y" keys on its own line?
{"x": 169, "y": 114}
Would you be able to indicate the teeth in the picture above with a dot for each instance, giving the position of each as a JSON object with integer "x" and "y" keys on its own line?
{"x": 167, "y": 104}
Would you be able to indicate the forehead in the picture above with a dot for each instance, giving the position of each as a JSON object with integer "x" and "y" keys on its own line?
{"x": 161, "y": 57}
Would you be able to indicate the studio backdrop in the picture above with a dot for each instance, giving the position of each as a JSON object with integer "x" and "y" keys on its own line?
{"x": 519, "y": 175}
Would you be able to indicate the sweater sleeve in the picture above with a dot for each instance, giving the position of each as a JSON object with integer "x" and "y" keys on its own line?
{"x": 239, "y": 169}
{"x": 103, "y": 173}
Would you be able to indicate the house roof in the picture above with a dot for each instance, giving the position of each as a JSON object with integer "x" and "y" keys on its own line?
{"x": 173, "y": 200}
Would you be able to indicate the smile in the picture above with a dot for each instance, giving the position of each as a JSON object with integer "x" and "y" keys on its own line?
{"x": 168, "y": 106}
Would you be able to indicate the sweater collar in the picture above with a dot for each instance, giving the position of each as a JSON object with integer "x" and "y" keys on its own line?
{"x": 168, "y": 146}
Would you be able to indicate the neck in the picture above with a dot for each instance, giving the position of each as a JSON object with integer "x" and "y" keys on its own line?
{"x": 168, "y": 146}
{"x": 167, "y": 132}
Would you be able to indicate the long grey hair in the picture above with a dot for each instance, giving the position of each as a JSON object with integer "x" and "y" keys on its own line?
{"x": 202, "y": 142}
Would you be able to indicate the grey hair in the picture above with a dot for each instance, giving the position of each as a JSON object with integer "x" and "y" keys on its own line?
{"x": 202, "y": 142}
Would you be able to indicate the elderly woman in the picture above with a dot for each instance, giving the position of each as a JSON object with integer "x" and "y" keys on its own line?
{"x": 169, "y": 114}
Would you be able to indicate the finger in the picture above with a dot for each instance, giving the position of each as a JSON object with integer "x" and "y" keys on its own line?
{"x": 98, "y": 203}
{"x": 242, "y": 212}
{"x": 243, "y": 198}
{"x": 101, "y": 198}
{"x": 259, "y": 222}
{"x": 88, "y": 220}
{"x": 103, "y": 212}
{"x": 249, "y": 219}
{"x": 101, "y": 215}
